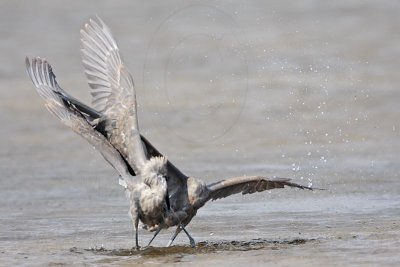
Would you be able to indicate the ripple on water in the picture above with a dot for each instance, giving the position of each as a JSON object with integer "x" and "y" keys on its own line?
{"x": 201, "y": 248}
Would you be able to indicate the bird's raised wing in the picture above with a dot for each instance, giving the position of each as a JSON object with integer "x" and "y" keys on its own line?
{"x": 42, "y": 76}
{"x": 113, "y": 92}
{"x": 248, "y": 185}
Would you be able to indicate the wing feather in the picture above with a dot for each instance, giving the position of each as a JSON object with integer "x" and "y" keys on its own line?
{"x": 42, "y": 76}
{"x": 112, "y": 90}
{"x": 248, "y": 185}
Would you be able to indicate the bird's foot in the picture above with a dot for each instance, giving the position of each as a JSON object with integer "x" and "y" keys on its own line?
{"x": 170, "y": 243}
{"x": 154, "y": 236}
{"x": 177, "y": 231}
{"x": 192, "y": 242}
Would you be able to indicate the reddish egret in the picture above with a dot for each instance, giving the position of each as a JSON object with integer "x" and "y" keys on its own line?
{"x": 160, "y": 195}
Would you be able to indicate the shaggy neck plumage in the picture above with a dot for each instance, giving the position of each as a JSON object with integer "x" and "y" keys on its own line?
{"x": 154, "y": 171}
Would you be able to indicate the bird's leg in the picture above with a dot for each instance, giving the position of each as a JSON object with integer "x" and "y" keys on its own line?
{"x": 136, "y": 233}
{"x": 177, "y": 231}
{"x": 191, "y": 240}
{"x": 154, "y": 236}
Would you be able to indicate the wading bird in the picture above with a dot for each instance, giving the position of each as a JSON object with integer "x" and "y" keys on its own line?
{"x": 160, "y": 195}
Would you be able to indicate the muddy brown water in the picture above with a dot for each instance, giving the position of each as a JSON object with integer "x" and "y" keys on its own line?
{"x": 306, "y": 90}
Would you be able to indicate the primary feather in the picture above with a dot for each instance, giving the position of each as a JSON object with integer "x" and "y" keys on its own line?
{"x": 112, "y": 90}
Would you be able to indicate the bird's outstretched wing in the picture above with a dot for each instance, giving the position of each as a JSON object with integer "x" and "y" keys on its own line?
{"x": 42, "y": 76}
{"x": 248, "y": 185}
{"x": 113, "y": 92}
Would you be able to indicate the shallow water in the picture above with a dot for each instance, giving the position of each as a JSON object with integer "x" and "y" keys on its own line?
{"x": 307, "y": 91}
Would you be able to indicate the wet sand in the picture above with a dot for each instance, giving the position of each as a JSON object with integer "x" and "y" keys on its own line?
{"x": 307, "y": 91}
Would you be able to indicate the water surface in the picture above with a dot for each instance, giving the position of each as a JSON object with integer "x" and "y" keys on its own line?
{"x": 307, "y": 91}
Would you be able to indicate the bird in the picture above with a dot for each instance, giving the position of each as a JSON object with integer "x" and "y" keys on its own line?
{"x": 161, "y": 196}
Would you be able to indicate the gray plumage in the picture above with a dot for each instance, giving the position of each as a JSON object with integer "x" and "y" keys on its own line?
{"x": 160, "y": 195}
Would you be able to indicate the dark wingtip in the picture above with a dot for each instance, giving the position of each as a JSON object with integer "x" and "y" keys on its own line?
{"x": 313, "y": 188}
{"x": 319, "y": 189}
{"x": 27, "y": 61}
{"x": 291, "y": 184}
{"x": 27, "y": 65}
